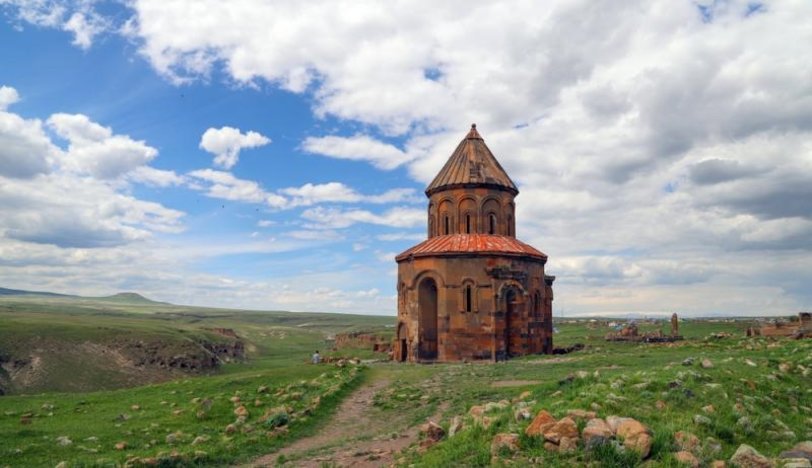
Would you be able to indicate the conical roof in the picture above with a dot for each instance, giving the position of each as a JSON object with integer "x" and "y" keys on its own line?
{"x": 472, "y": 164}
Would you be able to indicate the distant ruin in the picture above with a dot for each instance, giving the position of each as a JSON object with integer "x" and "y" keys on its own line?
{"x": 630, "y": 332}
{"x": 802, "y": 328}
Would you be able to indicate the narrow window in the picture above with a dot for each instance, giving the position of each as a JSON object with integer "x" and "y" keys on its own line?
{"x": 431, "y": 226}
{"x": 468, "y": 298}
{"x": 446, "y": 225}
{"x": 510, "y": 226}
{"x": 468, "y": 224}
{"x": 492, "y": 224}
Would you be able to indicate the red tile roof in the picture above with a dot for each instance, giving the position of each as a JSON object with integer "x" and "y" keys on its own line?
{"x": 456, "y": 244}
{"x": 472, "y": 163}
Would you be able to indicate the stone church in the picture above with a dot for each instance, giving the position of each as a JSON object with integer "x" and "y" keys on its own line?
{"x": 472, "y": 290}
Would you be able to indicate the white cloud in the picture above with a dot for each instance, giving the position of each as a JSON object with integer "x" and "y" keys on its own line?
{"x": 93, "y": 149}
{"x": 333, "y": 218}
{"x": 8, "y": 96}
{"x": 25, "y": 149}
{"x": 77, "y": 17}
{"x": 225, "y": 144}
{"x": 357, "y": 148}
{"x": 226, "y": 186}
{"x": 156, "y": 177}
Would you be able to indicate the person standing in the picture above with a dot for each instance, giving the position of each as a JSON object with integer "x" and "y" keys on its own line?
{"x": 316, "y": 357}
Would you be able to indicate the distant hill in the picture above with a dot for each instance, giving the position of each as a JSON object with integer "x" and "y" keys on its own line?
{"x": 122, "y": 297}
{"x": 20, "y": 292}
{"x": 128, "y": 298}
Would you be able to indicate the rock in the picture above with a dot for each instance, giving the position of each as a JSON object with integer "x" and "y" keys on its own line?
{"x": 712, "y": 446}
{"x": 455, "y": 427}
{"x": 566, "y": 427}
{"x": 542, "y": 420}
{"x": 687, "y": 442}
{"x": 504, "y": 441}
{"x": 795, "y": 463}
{"x": 748, "y": 457}
{"x": 262, "y": 389}
{"x": 432, "y": 431}
{"x": 135, "y": 407}
{"x": 640, "y": 443}
{"x": 202, "y": 439}
{"x": 581, "y": 414}
{"x": 525, "y": 395}
{"x": 597, "y": 432}
{"x": 751, "y": 364}
{"x": 688, "y": 361}
{"x": 631, "y": 427}
{"x": 556, "y": 394}
{"x": 568, "y": 445}
{"x": 241, "y": 411}
{"x": 582, "y": 374}
{"x": 614, "y": 422}
{"x": 235, "y": 399}
{"x": 62, "y": 464}
{"x": 521, "y": 414}
{"x": 785, "y": 367}
{"x": 121, "y": 446}
{"x": 706, "y": 364}
{"x": 718, "y": 464}
{"x": 477, "y": 411}
{"x": 709, "y": 409}
{"x": 63, "y": 441}
{"x": 660, "y": 405}
{"x": 701, "y": 420}
{"x": 687, "y": 458}
{"x": 172, "y": 438}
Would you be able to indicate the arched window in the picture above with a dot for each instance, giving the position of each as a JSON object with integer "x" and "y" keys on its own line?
{"x": 537, "y": 303}
{"x": 469, "y": 298}
{"x": 446, "y": 225}
{"x": 510, "y": 226}
{"x": 492, "y": 223}
{"x": 431, "y": 226}
{"x": 468, "y": 224}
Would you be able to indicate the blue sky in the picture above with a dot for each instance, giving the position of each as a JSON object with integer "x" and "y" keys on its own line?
{"x": 272, "y": 155}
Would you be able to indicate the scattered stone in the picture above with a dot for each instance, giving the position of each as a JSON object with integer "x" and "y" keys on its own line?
{"x": 556, "y": 394}
{"x": 202, "y": 439}
{"x": 748, "y": 457}
{"x": 432, "y": 431}
{"x": 566, "y": 427}
{"x": 718, "y": 464}
{"x": 597, "y": 432}
{"x": 235, "y": 399}
{"x": 63, "y": 441}
{"x": 640, "y": 443}
{"x": 525, "y": 395}
{"x": 62, "y": 464}
{"x": 542, "y": 421}
{"x": 785, "y": 367}
{"x": 135, "y": 407}
{"x": 709, "y": 409}
{"x": 568, "y": 445}
{"x": 173, "y": 438}
{"x": 121, "y": 446}
{"x": 688, "y": 361}
{"x": 582, "y": 374}
{"x": 706, "y": 364}
{"x": 581, "y": 414}
{"x": 455, "y": 427}
{"x": 796, "y": 463}
{"x": 510, "y": 442}
{"x": 630, "y": 427}
{"x": 800, "y": 450}
{"x": 712, "y": 446}
{"x": 750, "y": 363}
{"x": 701, "y": 420}
{"x": 687, "y": 458}
{"x": 241, "y": 411}
{"x": 660, "y": 405}
{"x": 614, "y": 422}
{"x": 687, "y": 442}
{"x": 262, "y": 389}
{"x": 521, "y": 414}
{"x": 177, "y": 412}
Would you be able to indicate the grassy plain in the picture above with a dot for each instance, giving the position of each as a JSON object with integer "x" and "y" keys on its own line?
{"x": 760, "y": 390}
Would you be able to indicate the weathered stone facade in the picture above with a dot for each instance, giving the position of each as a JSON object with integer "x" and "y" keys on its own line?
{"x": 472, "y": 290}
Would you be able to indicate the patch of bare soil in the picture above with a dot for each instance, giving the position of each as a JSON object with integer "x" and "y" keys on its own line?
{"x": 353, "y": 437}
{"x": 555, "y": 360}
{"x": 514, "y": 383}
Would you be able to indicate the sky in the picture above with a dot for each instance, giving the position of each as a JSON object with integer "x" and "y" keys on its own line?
{"x": 273, "y": 154}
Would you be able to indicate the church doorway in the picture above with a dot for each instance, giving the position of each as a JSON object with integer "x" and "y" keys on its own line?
{"x": 427, "y": 320}
{"x": 402, "y": 348}
{"x": 513, "y": 323}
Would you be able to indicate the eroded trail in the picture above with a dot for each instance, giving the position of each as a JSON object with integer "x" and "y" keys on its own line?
{"x": 355, "y": 436}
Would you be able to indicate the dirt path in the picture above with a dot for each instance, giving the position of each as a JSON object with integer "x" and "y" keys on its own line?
{"x": 353, "y": 437}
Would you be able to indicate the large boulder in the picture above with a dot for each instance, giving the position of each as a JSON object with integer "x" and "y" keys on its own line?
{"x": 597, "y": 432}
{"x": 566, "y": 427}
{"x": 542, "y": 421}
{"x": 504, "y": 441}
{"x": 800, "y": 450}
{"x": 747, "y": 457}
